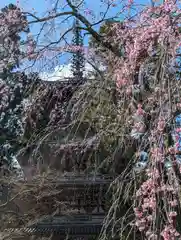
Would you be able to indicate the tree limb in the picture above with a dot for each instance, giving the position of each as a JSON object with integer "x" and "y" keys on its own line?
{"x": 88, "y": 25}
{"x": 48, "y": 17}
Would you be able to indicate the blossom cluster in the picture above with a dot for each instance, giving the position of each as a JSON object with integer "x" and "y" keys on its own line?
{"x": 33, "y": 53}
{"x": 138, "y": 128}
{"x": 12, "y": 22}
{"x": 153, "y": 27}
{"x": 154, "y": 192}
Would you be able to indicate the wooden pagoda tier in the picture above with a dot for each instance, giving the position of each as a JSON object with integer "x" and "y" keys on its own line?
{"x": 84, "y": 194}
{"x": 74, "y": 226}
{"x": 88, "y": 195}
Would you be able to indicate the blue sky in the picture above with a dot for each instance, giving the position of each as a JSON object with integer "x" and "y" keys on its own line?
{"x": 42, "y": 6}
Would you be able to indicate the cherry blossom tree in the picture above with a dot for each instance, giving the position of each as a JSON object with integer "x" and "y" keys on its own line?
{"x": 142, "y": 55}
{"x": 151, "y": 46}
{"x": 15, "y": 87}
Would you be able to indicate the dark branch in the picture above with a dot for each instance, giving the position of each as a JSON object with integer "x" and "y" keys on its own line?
{"x": 88, "y": 25}
{"x": 95, "y": 35}
{"x": 48, "y": 17}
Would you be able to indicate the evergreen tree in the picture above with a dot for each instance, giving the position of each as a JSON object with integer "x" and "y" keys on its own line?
{"x": 78, "y": 60}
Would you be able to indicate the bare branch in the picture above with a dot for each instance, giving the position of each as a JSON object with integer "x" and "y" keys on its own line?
{"x": 88, "y": 25}
{"x": 48, "y": 17}
{"x": 97, "y": 37}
